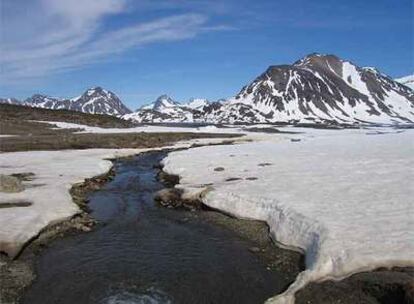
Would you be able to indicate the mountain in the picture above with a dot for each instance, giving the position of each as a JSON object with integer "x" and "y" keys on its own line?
{"x": 95, "y": 100}
{"x": 13, "y": 101}
{"x": 325, "y": 88}
{"x": 315, "y": 89}
{"x": 407, "y": 81}
{"x": 197, "y": 103}
{"x": 99, "y": 101}
{"x": 165, "y": 109}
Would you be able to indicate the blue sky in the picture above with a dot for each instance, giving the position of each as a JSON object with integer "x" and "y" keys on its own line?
{"x": 141, "y": 49}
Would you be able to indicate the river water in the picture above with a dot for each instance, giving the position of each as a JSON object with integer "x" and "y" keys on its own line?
{"x": 142, "y": 253}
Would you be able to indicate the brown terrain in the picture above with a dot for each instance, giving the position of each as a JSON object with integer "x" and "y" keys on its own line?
{"x": 29, "y": 134}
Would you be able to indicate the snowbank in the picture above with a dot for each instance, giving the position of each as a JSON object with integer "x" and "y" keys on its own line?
{"x": 345, "y": 197}
{"x": 144, "y": 128}
{"x": 54, "y": 174}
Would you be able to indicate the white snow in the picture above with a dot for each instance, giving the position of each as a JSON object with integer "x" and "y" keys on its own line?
{"x": 352, "y": 77}
{"x": 144, "y": 128}
{"x": 407, "y": 80}
{"x": 345, "y": 197}
{"x": 196, "y": 103}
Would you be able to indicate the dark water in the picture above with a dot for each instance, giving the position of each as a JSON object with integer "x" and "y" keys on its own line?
{"x": 141, "y": 253}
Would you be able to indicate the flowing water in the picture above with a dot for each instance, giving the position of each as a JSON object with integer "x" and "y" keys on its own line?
{"x": 141, "y": 253}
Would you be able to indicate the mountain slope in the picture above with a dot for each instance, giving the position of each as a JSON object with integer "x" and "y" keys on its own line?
{"x": 94, "y": 101}
{"x": 407, "y": 81}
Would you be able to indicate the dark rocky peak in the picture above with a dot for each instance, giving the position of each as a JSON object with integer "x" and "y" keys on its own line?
{"x": 164, "y": 101}
{"x": 40, "y": 98}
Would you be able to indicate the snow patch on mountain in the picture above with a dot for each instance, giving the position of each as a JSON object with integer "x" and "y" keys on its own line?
{"x": 407, "y": 81}
{"x": 197, "y": 103}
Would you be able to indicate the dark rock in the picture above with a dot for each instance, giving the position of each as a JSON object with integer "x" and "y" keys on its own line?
{"x": 264, "y": 164}
{"x": 169, "y": 197}
{"x": 231, "y": 179}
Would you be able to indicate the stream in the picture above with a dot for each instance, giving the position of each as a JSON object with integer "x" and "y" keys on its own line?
{"x": 142, "y": 253}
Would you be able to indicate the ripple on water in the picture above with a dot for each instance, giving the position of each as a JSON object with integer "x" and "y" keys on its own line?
{"x": 149, "y": 296}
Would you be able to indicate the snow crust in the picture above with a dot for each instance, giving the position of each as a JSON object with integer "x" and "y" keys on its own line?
{"x": 344, "y": 197}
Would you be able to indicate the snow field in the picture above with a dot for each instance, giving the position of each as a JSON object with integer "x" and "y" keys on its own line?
{"x": 344, "y": 197}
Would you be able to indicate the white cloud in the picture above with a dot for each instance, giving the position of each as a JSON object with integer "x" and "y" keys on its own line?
{"x": 57, "y": 36}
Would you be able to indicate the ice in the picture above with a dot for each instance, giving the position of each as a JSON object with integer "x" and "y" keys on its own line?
{"x": 345, "y": 197}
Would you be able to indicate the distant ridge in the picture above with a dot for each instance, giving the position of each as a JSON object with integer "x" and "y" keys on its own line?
{"x": 95, "y": 100}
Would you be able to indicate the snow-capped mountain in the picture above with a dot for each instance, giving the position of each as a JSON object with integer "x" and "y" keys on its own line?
{"x": 165, "y": 109}
{"x": 47, "y": 102}
{"x": 13, "y": 101}
{"x": 95, "y": 100}
{"x": 163, "y": 104}
{"x": 321, "y": 88}
{"x": 197, "y": 103}
{"x": 99, "y": 101}
{"x": 407, "y": 81}
{"x": 315, "y": 89}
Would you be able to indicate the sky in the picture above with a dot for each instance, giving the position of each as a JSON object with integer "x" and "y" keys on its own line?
{"x": 140, "y": 49}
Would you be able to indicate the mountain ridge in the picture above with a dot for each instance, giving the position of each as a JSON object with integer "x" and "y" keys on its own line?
{"x": 318, "y": 88}
{"x": 95, "y": 100}
{"x": 407, "y": 81}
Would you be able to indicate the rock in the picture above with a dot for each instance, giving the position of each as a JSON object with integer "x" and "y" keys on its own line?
{"x": 10, "y": 184}
{"x": 168, "y": 179}
{"x": 231, "y": 179}
{"x": 25, "y": 176}
{"x": 254, "y": 249}
{"x": 86, "y": 229}
{"x": 169, "y": 197}
{"x": 218, "y": 169}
